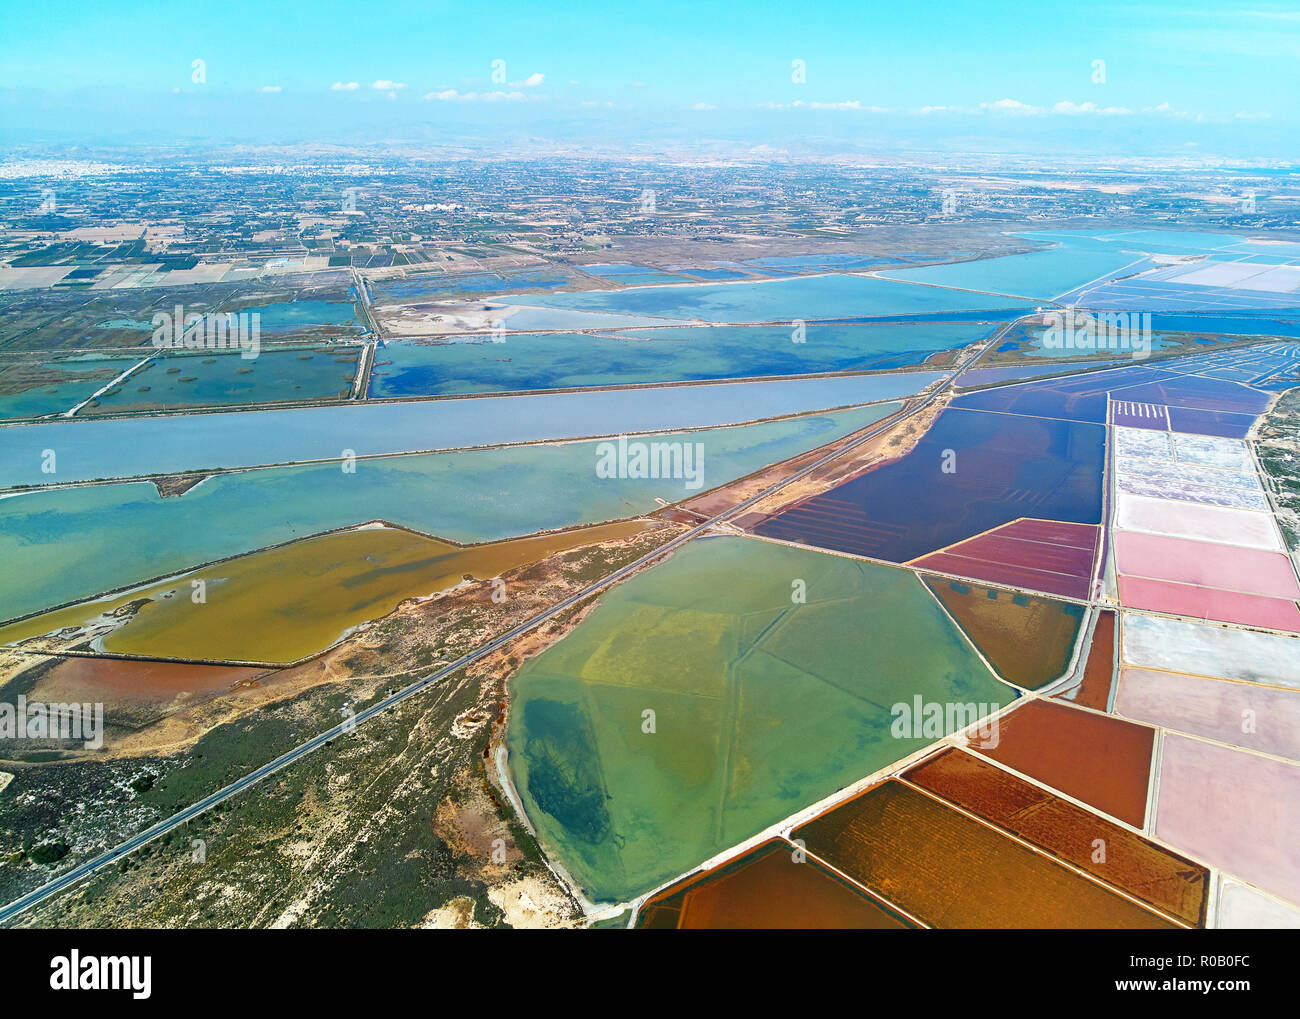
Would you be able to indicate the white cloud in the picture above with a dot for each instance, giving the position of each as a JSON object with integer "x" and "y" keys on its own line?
{"x": 1165, "y": 110}
{"x": 532, "y": 81}
{"x": 846, "y": 104}
{"x": 703, "y": 106}
{"x": 344, "y": 86}
{"x": 849, "y": 104}
{"x": 1012, "y": 107}
{"x": 450, "y": 95}
{"x": 1077, "y": 109}
{"x": 269, "y": 89}
{"x": 384, "y": 85}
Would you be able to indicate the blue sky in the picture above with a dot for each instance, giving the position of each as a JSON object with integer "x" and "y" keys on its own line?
{"x": 1218, "y": 77}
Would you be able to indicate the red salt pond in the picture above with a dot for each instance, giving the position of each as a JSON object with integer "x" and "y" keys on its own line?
{"x": 1206, "y": 564}
{"x": 1100, "y": 760}
{"x": 1038, "y": 555}
{"x": 99, "y": 678}
{"x": 1209, "y": 603}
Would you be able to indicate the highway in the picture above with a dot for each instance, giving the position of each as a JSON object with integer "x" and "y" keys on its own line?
{"x": 89, "y": 867}
{"x": 363, "y": 292}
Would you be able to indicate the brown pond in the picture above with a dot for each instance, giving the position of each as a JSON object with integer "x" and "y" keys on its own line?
{"x": 950, "y": 870}
{"x": 77, "y": 678}
{"x": 1105, "y": 850}
{"x": 1029, "y": 640}
{"x": 1103, "y": 761}
{"x": 1094, "y": 690}
{"x": 766, "y": 889}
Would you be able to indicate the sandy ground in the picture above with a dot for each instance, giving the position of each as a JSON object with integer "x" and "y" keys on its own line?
{"x": 891, "y": 444}
{"x": 439, "y": 319}
{"x": 473, "y": 829}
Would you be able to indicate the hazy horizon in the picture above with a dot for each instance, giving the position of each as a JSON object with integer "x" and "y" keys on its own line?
{"x": 1159, "y": 80}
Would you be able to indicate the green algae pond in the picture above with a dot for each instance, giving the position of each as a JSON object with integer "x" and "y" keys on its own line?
{"x": 758, "y": 705}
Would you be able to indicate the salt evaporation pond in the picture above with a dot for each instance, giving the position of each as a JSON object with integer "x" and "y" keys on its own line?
{"x": 135, "y": 447}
